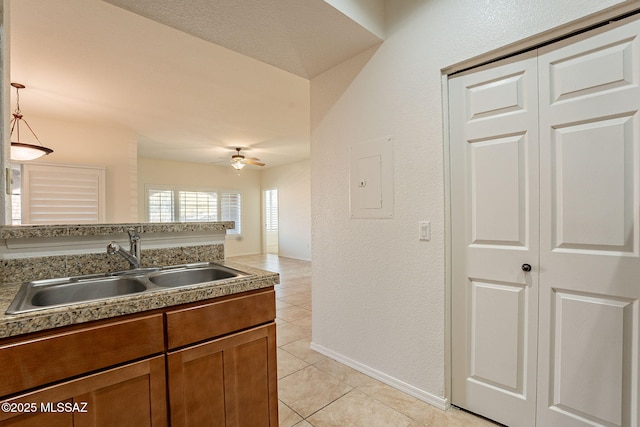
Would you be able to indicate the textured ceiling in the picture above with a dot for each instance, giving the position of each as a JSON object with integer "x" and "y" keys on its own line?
{"x": 304, "y": 37}
{"x": 192, "y": 79}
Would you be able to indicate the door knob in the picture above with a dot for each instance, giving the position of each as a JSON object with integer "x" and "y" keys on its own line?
{"x": 526, "y": 267}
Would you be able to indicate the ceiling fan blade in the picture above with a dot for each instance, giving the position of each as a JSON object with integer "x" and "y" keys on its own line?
{"x": 253, "y": 162}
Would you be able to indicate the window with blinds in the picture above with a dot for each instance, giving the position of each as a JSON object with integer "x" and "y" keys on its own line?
{"x": 160, "y": 205}
{"x": 173, "y": 204}
{"x": 271, "y": 209}
{"x": 16, "y": 194}
{"x": 62, "y": 194}
{"x": 230, "y": 210}
{"x": 197, "y": 206}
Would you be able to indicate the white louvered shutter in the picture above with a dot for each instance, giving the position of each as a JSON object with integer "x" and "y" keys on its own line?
{"x": 62, "y": 194}
{"x": 198, "y": 206}
{"x": 230, "y": 210}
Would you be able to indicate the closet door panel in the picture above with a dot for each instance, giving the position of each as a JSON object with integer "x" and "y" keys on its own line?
{"x": 494, "y": 172}
{"x": 589, "y": 220}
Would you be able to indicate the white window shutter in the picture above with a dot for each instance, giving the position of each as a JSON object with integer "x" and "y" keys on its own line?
{"x": 62, "y": 194}
{"x": 271, "y": 210}
{"x": 230, "y": 210}
{"x": 198, "y": 206}
{"x": 160, "y": 205}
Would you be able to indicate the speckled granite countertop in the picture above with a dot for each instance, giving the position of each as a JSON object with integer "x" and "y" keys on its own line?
{"x": 13, "y": 325}
{"x": 34, "y": 231}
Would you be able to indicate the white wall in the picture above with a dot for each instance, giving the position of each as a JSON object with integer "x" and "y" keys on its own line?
{"x": 378, "y": 292}
{"x": 81, "y": 143}
{"x": 158, "y": 172}
{"x": 367, "y": 13}
{"x": 294, "y": 207}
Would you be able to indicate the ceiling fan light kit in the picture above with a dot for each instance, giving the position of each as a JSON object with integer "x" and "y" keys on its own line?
{"x": 238, "y": 161}
{"x": 22, "y": 151}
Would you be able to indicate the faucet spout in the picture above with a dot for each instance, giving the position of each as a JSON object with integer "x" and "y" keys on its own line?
{"x": 133, "y": 256}
{"x": 134, "y": 240}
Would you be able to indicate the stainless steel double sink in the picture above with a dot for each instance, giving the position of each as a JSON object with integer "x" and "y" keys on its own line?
{"x": 49, "y": 293}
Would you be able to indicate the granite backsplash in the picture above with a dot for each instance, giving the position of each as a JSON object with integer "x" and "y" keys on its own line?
{"x": 29, "y": 266}
{"x": 38, "y": 268}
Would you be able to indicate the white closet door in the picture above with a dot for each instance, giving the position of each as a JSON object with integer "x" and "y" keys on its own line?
{"x": 494, "y": 179}
{"x": 589, "y": 251}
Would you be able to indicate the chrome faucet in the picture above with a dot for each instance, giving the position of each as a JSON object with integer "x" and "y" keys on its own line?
{"x": 133, "y": 256}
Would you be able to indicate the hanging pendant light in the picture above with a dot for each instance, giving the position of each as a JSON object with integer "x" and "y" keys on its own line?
{"x": 21, "y": 151}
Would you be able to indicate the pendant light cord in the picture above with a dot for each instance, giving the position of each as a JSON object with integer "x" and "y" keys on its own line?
{"x": 17, "y": 117}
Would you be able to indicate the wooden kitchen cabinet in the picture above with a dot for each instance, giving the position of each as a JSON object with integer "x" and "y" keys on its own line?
{"x": 128, "y": 396}
{"x": 231, "y": 381}
{"x": 207, "y": 363}
{"x": 221, "y": 362}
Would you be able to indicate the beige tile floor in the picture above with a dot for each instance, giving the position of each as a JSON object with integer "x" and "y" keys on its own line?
{"x": 317, "y": 391}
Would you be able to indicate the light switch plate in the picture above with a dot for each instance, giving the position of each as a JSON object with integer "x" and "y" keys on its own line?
{"x": 425, "y": 230}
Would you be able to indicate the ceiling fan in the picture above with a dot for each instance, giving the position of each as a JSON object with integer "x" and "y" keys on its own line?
{"x": 238, "y": 161}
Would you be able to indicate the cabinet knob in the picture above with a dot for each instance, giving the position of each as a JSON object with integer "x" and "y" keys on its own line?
{"x": 526, "y": 267}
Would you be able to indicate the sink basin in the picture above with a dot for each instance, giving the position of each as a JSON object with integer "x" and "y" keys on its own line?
{"x": 191, "y": 276}
{"x": 86, "y": 290}
{"x": 49, "y": 293}
{"x": 41, "y": 294}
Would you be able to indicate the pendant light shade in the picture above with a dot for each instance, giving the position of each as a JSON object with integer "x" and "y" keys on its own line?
{"x": 25, "y": 152}
{"x": 21, "y": 151}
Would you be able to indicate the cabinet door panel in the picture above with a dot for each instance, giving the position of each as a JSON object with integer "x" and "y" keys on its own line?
{"x": 231, "y": 381}
{"x": 38, "y": 419}
{"x": 196, "y": 389}
{"x": 247, "y": 368}
{"x": 128, "y": 396}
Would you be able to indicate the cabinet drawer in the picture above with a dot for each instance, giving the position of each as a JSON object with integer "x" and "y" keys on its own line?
{"x": 203, "y": 322}
{"x": 42, "y": 359}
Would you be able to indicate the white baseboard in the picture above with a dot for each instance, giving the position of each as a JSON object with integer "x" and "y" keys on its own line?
{"x": 431, "y": 399}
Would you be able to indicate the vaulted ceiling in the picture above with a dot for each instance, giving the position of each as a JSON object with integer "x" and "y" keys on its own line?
{"x": 193, "y": 78}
